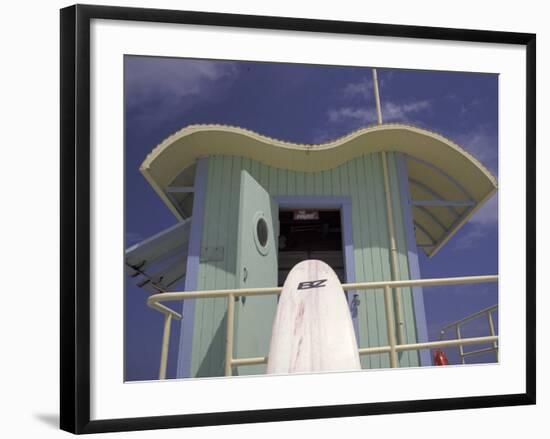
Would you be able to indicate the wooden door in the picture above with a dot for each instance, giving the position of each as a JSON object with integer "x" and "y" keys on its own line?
{"x": 258, "y": 235}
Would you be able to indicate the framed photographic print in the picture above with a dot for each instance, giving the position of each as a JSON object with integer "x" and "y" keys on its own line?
{"x": 268, "y": 218}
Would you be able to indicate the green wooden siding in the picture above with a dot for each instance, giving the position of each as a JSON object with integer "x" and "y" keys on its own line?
{"x": 362, "y": 180}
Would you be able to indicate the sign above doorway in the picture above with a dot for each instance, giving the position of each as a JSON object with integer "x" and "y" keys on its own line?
{"x": 305, "y": 215}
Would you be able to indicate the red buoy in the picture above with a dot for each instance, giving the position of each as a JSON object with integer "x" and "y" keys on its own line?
{"x": 440, "y": 359}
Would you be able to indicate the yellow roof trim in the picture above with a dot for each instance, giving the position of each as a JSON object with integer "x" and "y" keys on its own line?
{"x": 309, "y": 165}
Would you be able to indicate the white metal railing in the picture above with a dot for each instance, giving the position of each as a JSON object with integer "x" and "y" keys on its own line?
{"x": 488, "y": 313}
{"x": 392, "y": 348}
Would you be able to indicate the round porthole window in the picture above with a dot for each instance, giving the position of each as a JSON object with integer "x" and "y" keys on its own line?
{"x": 261, "y": 233}
{"x": 261, "y": 230}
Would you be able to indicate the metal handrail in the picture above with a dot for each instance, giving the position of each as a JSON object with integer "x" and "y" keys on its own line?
{"x": 471, "y": 317}
{"x": 458, "y": 324}
{"x": 392, "y": 348}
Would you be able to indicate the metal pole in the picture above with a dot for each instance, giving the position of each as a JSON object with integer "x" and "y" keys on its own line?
{"x": 229, "y": 334}
{"x": 390, "y": 324}
{"x": 165, "y": 345}
{"x": 393, "y": 250}
{"x": 492, "y": 332}
{"x": 460, "y": 347}
{"x": 377, "y": 96}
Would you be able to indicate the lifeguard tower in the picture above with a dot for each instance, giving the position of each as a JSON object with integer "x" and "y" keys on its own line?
{"x": 249, "y": 207}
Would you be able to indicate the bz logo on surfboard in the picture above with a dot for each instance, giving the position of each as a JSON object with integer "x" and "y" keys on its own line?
{"x": 312, "y": 284}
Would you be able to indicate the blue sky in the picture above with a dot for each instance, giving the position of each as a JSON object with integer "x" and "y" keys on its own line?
{"x": 306, "y": 104}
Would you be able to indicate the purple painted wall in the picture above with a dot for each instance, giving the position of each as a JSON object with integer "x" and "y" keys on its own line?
{"x": 414, "y": 267}
{"x": 191, "y": 279}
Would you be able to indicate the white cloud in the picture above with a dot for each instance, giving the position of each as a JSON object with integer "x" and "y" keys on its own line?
{"x": 482, "y": 144}
{"x": 391, "y": 112}
{"x": 485, "y": 218}
{"x": 363, "y": 88}
{"x": 151, "y": 79}
{"x": 488, "y": 213}
{"x": 470, "y": 239}
{"x": 344, "y": 114}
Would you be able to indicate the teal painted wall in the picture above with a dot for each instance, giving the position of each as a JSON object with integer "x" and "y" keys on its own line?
{"x": 362, "y": 180}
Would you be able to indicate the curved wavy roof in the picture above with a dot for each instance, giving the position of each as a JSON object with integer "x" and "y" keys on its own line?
{"x": 439, "y": 170}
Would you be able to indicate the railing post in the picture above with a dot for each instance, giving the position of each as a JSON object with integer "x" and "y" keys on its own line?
{"x": 390, "y": 324}
{"x": 229, "y": 334}
{"x": 165, "y": 345}
{"x": 492, "y": 332}
{"x": 460, "y": 347}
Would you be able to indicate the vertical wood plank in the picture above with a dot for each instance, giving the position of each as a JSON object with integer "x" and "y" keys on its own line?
{"x": 380, "y": 259}
{"x": 233, "y": 217}
{"x": 318, "y": 183}
{"x": 335, "y": 181}
{"x": 273, "y": 187}
{"x": 291, "y": 182}
{"x": 369, "y": 220}
{"x": 300, "y": 183}
{"x": 221, "y": 279}
{"x": 360, "y": 241}
{"x": 264, "y": 176}
{"x": 375, "y": 301}
{"x": 282, "y": 189}
{"x": 202, "y": 310}
{"x": 327, "y": 187}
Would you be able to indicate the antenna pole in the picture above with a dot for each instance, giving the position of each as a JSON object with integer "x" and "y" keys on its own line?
{"x": 377, "y": 96}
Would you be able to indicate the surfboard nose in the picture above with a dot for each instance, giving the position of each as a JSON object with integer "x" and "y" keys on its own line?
{"x": 312, "y": 332}
{"x": 311, "y": 272}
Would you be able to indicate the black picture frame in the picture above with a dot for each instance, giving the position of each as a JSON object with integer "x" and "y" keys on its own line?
{"x": 75, "y": 217}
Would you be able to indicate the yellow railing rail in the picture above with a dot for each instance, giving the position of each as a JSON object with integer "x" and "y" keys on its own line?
{"x": 392, "y": 348}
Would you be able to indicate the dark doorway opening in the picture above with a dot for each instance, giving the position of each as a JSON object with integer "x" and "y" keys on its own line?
{"x": 310, "y": 234}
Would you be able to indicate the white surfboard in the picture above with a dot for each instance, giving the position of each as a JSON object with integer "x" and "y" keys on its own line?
{"x": 312, "y": 331}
